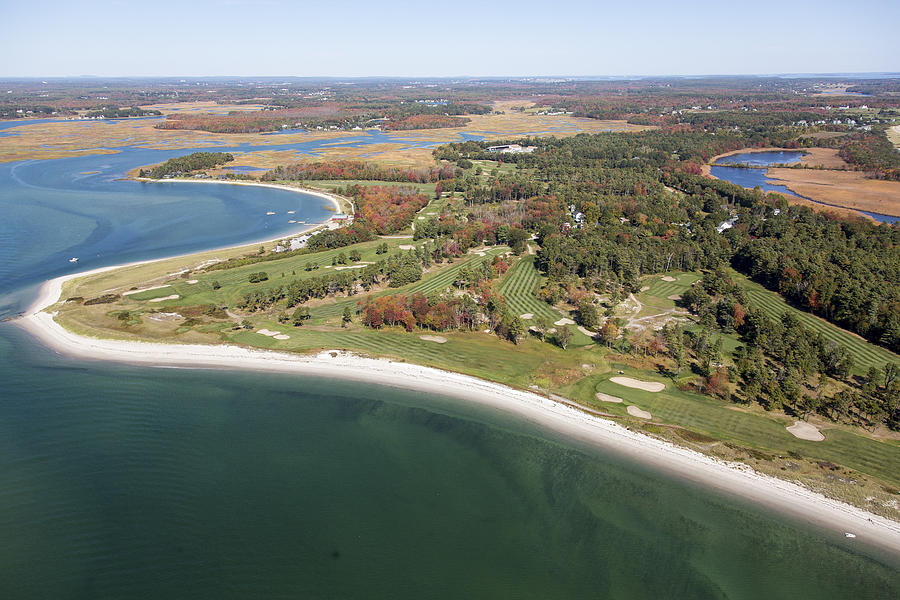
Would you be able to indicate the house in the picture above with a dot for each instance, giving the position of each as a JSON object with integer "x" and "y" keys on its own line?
{"x": 512, "y": 149}
{"x": 726, "y": 224}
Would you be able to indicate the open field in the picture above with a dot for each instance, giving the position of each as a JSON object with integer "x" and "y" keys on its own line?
{"x": 849, "y": 189}
{"x": 865, "y": 354}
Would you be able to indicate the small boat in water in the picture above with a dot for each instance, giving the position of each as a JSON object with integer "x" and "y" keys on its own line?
{"x": 74, "y": 259}
{"x": 850, "y": 535}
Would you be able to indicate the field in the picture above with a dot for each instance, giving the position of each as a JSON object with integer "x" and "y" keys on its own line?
{"x": 849, "y": 189}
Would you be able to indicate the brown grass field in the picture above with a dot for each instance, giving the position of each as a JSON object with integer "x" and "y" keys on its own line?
{"x": 845, "y": 192}
{"x": 848, "y": 189}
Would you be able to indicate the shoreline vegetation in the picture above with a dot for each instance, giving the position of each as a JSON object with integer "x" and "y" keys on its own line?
{"x": 731, "y": 478}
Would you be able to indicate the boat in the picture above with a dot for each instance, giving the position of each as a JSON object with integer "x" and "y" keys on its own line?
{"x": 74, "y": 259}
{"x": 850, "y": 535}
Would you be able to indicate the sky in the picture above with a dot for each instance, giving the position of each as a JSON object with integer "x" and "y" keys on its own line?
{"x": 404, "y": 38}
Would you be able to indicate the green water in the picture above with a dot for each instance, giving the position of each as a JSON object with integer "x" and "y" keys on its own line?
{"x": 120, "y": 482}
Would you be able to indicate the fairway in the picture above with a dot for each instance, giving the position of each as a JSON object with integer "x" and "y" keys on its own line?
{"x": 865, "y": 354}
{"x": 519, "y": 286}
{"x": 756, "y": 430}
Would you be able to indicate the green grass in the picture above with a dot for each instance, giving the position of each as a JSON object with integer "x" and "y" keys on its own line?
{"x": 474, "y": 354}
{"x": 234, "y": 282}
{"x": 865, "y": 354}
{"x": 151, "y": 294}
{"x": 759, "y": 430}
{"x": 520, "y": 285}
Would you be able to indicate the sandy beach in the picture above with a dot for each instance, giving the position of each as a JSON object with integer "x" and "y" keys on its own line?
{"x": 737, "y": 479}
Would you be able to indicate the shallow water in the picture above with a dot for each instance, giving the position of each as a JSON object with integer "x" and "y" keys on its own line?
{"x": 750, "y": 178}
{"x": 118, "y": 481}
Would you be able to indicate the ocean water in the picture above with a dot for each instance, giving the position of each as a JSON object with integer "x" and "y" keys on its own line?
{"x": 126, "y": 482}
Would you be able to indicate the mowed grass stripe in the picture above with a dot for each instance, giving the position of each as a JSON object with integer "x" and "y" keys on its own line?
{"x": 519, "y": 287}
{"x": 865, "y": 354}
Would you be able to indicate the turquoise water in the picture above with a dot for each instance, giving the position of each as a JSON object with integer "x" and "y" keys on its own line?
{"x": 122, "y": 482}
{"x": 751, "y": 178}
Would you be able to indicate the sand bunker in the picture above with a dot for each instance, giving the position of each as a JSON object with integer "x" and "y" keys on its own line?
{"x": 647, "y": 386}
{"x": 193, "y": 281}
{"x": 806, "y": 431}
{"x": 645, "y": 288}
{"x": 564, "y": 321}
{"x": 281, "y": 336}
{"x": 526, "y": 316}
{"x": 172, "y": 297}
{"x": 667, "y": 278}
{"x": 166, "y": 316}
{"x": 674, "y": 297}
{"x": 268, "y": 332}
{"x": 156, "y": 287}
{"x": 607, "y": 398}
{"x": 434, "y": 338}
{"x": 406, "y": 247}
{"x": 634, "y": 411}
{"x": 349, "y": 267}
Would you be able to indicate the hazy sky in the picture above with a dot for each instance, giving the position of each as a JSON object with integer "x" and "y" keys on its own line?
{"x": 462, "y": 37}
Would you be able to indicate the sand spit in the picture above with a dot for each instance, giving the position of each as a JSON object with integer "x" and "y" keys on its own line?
{"x": 647, "y": 386}
{"x": 734, "y": 478}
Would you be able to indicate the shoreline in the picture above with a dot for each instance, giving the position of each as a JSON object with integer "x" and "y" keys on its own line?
{"x": 332, "y": 198}
{"x": 735, "y": 479}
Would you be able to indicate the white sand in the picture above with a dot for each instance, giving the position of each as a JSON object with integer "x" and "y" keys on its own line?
{"x": 806, "y": 431}
{"x": 667, "y": 278}
{"x": 434, "y": 338}
{"x": 193, "y": 281}
{"x": 647, "y": 386}
{"x": 734, "y": 478}
{"x": 634, "y": 411}
{"x": 147, "y": 289}
{"x": 564, "y": 321}
{"x": 607, "y": 398}
{"x": 527, "y": 316}
{"x": 164, "y": 298}
{"x": 406, "y": 246}
{"x": 267, "y": 332}
{"x": 349, "y": 267}
{"x": 281, "y": 336}
{"x": 645, "y": 288}
{"x": 674, "y": 297}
